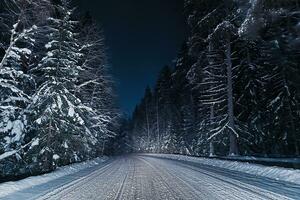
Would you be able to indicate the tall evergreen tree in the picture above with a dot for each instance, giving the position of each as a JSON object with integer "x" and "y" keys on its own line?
{"x": 19, "y": 23}
{"x": 60, "y": 121}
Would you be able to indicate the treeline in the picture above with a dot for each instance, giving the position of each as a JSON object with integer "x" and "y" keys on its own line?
{"x": 56, "y": 97}
{"x": 235, "y": 88}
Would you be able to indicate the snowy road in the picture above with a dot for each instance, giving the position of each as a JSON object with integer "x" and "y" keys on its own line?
{"x": 144, "y": 177}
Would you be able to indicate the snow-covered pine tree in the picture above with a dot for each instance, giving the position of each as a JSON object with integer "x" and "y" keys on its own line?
{"x": 60, "y": 121}
{"x": 249, "y": 81}
{"x": 138, "y": 130}
{"x": 266, "y": 82}
{"x": 249, "y": 94}
{"x": 170, "y": 142}
{"x": 281, "y": 36}
{"x": 200, "y": 14}
{"x": 147, "y": 107}
{"x": 18, "y": 31}
{"x": 164, "y": 104}
{"x": 210, "y": 44}
{"x": 184, "y": 100}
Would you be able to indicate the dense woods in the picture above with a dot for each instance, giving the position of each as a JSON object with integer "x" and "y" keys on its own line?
{"x": 56, "y": 96}
{"x": 234, "y": 89}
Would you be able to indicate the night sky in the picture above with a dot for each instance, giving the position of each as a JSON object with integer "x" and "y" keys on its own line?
{"x": 142, "y": 36}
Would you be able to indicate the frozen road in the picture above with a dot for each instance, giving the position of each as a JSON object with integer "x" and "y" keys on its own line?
{"x": 143, "y": 177}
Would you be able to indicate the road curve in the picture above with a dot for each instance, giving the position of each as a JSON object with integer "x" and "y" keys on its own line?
{"x": 142, "y": 177}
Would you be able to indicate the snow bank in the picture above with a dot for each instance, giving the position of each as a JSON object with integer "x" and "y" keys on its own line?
{"x": 264, "y": 159}
{"x": 14, "y": 186}
{"x": 277, "y": 173}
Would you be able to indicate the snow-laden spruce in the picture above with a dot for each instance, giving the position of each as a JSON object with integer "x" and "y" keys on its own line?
{"x": 56, "y": 97}
{"x": 18, "y": 33}
{"x": 59, "y": 119}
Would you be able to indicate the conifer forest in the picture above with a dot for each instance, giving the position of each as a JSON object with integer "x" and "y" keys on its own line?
{"x": 234, "y": 88}
{"x": 219, "y": 121}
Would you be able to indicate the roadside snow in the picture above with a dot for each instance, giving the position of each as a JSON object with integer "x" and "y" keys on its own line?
{"x": 15, "y": 186}
{"x": 277, "y": 173}
{"x": 276, "y": 160}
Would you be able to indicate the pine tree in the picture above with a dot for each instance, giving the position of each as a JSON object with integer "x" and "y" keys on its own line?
{"x": 163, "y": 103}
{"x": 211, "y": 45}
{"x": 19, "y": 28}
{"x": 18, "y": 40}
{"x": 281, "y": 37}
{"x": 59, "y": 119}
{"x": 184, "y": 100}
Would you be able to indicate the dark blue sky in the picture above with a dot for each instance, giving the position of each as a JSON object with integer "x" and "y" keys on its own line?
{"x": 142, "y": 36}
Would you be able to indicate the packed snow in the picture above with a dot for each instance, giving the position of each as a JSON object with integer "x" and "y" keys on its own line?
{"x": 146, "y": 177}
{"x": 9, "y": 188}
{"x": 277, "y": 173}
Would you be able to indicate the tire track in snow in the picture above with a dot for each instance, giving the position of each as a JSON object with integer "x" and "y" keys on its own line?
{"x": 163, "y": 174}
{"x": 77, "y": 183}
{"x": 120, "y": 191}
{"x": 260, "y": 193}
{"x": 147, "y": 178}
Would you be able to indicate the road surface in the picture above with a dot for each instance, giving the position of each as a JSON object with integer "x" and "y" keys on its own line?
{"x": 139, "y": 177}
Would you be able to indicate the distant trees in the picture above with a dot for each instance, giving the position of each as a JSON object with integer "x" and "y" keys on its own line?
{"x": 56, "y": 96}
{"x": 235, "y": 86}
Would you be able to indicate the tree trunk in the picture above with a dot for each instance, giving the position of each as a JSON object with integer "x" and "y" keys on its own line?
{"x": 211, "y": 143}
{"x": 233, "y": 138}
{"x": 157, "y": 127}
{"x": 148, "y": 126}
{"x": 103, "y": 148}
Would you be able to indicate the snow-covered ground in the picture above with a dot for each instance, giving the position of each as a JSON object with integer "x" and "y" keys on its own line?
{"x": 274, "y": 161}
{"x": 155, "y": 177}
{"x": 277, "y": 173}
{"x": 11, "y": 187}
